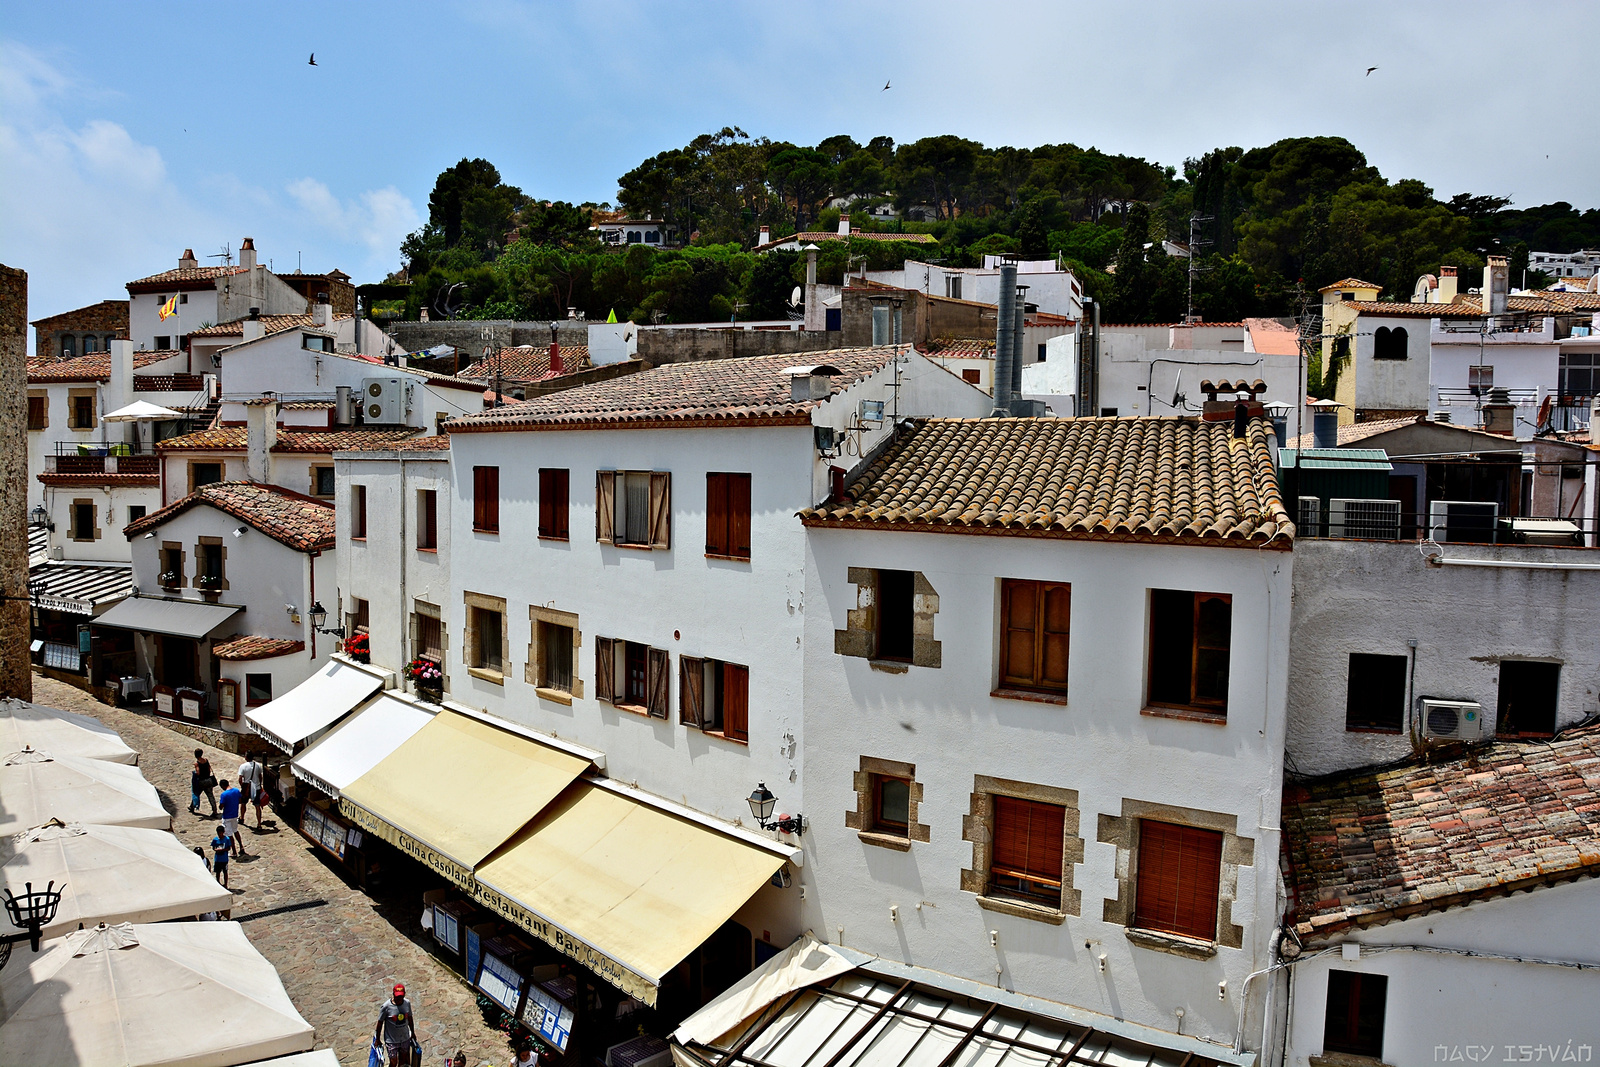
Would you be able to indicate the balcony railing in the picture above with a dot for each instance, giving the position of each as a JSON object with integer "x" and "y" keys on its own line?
{"x": 1456, "y": 526}
{"x": 101, "y": 457}
{"x": 168, "y": 383}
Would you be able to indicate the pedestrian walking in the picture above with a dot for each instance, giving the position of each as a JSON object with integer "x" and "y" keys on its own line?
{"x": 397, "y": 1030}
{"x": 199, "y": 850}
{"x": 230, "y": 816}
{"x": 220, "y": 847}
{"x": 247, "y": 778}
{"x": 201, "y": 782}
{"x": 258, "y": 787}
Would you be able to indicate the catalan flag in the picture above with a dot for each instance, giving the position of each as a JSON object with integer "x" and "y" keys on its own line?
{"x": 169, "y": 309}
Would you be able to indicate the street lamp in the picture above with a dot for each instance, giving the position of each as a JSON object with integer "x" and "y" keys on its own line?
{"x": 319, "y": 615}
{"x": 761, "y": 804}
{"x": 40, "y": 516}
{"x": 31, "y": 913}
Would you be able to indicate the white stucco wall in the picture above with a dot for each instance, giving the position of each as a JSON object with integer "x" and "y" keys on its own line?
{"x": 1521, "y": 366}
{"x": 196, "y": 308}
{"x": 280, "y": 364}
{"x": 1055, "y": 292}
{"x": 1442, "y": 1007}
{"x": 946, "y": 722}
{"x": 1378, "y": 597}
{"x": 1392, "y": 384}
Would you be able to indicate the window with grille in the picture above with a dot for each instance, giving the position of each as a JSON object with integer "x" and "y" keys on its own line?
{"x": 1353, "y": 1023}
{"x": 1025, "y": 860}
{"x": 553, "y": 495}
{"x": 1033, "y": 643}
{"x": 1179, "y": 871}
{"x": 323, "y": 482}
{"x": 1190, "y": 641}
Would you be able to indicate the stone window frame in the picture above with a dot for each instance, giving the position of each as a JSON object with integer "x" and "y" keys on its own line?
{"x": 248, "y": 702}
{"x": 94, "y": 408}
{"x": 39, "y": 394}
{"x": 1122, "y": 831}
{"x": 220, "y": 463}
{"x": 533, "y": 670}
{"x": 859, "y": 638}
{"x": 469, "y": 637}
{"x": 183, "y": 564}
{"x": 199, "y": 561}
{"x": 423, "y": 609}
{"x": 311, "y": 490}
{"x": 977, "y": 826}
{"x": 94, "y": 519}
{"x": 864, "y": 782}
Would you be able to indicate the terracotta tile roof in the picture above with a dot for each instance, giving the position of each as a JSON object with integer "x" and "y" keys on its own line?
{"x": 1349, "y": 435}
{"x": 818, "y": 236}
{"x": 752, "y": 390}
{"x": 320, "y": 442}
{"x": 251, "y": 646}
{"x": 1349, "y": 283}
{"x": 303, "y": 523}
{"x": 115, "y": 478}
{"x": 182, "y": 278}
{"x": 958, "y": 347}
{"x": 1271, "y": 337}
{"x": 1462, "y": 309}
{"x": 1126, "y": 479}
{"x": 527, "y": 363}
{"x": 1370, "y": 848}
{"x": 434, "y": 443}
{"x": 94, "y": 367}
{"x": 269, "y": 324}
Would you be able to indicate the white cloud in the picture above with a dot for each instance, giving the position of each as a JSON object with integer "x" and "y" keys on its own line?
{"x": 377, "y": 219}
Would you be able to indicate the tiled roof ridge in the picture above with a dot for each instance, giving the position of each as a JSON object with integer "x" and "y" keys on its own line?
{"x": 224, "y": 497}
{"x": 255, "y": 646}
{"x": 298, "y": 439}
{"x": 91, "y": 366}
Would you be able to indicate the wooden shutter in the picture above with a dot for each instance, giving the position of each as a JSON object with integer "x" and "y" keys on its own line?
{"x": 605, "y": 671}
{"x": 717, "y": 515}
{"x": 562, "y": 493}
{"x": 1028, "y": 839}
{"x": 659, "y": 683}
{"x": 547, "y": 502}
{"x": 736, "y": 702}
{"x": 1179, "y": 869}
{"x": 1055, "y": 614}
{"x": 691, "y": 691}
{"x": 1019, "y": 613}
{"x": 486, "y": 499}
{"x": 660, "y": 510}
{"x": 739, "y": 515}
{"x": 605, "y": 503}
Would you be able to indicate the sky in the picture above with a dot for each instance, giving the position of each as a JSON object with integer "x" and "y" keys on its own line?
{"x": 129, "y": 132}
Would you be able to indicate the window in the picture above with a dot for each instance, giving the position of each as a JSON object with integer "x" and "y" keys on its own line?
{"x": 172, "y": 565}
{"x": 358, "y": 513}
{"x": 1178, "y": 873}
{"x": 891, "y": 805}
{"x": 163, "y": 343}
{"x": 322, "y": 481}
{"x": 38, "y": 411}
{"x": 1480, "y": 379}
{"x": 429, "y": 643}
{"x": 553, "y": 486}
{"x": 428, "y": 519}
{"x": 135, "y": 513}
{"x": 887, "y": 800}
{"x": 1026, "y": 859}
{"x": 1041, "y": 354}
{"x": 359, "y": 621}
{"x": 895, "y": 594}
{"x": 82, "y": 409}
{"x": 1376, "y": 696}
{"x": 715, "y": 697}
{"x": 201, "y": 474}
{"x": 486, "y": 649}
{"x": 83, "y": 521}
{"x": 1389, "y": 343}
{"x": 1033, "y": 642}
{"x": 1528, "y": 692}
{"x": 728, "y": 515}
{"x": 893, "y": 620}
{"x": 952, "y": 286}
{"x": 1354, "y": 1020}
{"x": 210, "y": 557}
{"x": 633, "y": 676}
{"x": 1108, "y": 413}
{"x": 183, "y": 298}
{"x": 1577, "y": 373}
{"x": 633, "y": 508}
{"x": 68, "y": 346}
{"x": 555, "y": 656}
{"x": 257, "y": 689}
{"x": 314, "y": 343}
{"x": 1190, "y": 635}
{"x": 972, "y": 376}
{"x": 91, "y": 343}
{"x": 486, "y": 499}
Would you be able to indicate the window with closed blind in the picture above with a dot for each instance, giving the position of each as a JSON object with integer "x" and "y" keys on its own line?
{"x": 553, "y": 494}
{"x": 486, "y": 499}
{"x": 714, "y": 696}
{"x": 1035, "y": 618}
{"x": 1179, "y": 870}
{"x": 1026, "y": 858}
{"x": 728, "y": 515}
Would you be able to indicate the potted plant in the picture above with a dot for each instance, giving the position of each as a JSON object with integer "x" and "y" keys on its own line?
{"x": 169, "y": 579}
{"x": 356, "y": 647}
{"x": 425, "y": 674}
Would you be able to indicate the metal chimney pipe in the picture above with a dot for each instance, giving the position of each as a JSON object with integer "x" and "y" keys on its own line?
{"x": 1005, "y": 328}
{"x": 880, "y": 324}
{"x": 1016, "y": 342}
{"x": 1325, "y": 428}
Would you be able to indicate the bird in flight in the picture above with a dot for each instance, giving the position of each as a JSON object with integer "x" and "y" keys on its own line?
{"x": 1370, "y": 70}
{"x": 885, "y": 86}
{"x": 313, "y": 59}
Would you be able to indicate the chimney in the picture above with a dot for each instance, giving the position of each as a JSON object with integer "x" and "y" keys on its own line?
{"x": 816, "y": 317}
{"x": 844, "y": 224}
{"x": 120, "y": 392}
{"x": 322, "y": 311}
{"x": 810, "y": 383}
{"x": 1324, "y": 423}
{"x": 765, "y": 236}
{"x": 247, "y": 253}
{"x": 1496, "y": 285}
{"x": 252, "y": 326}
{"x": 555, "y": 352}
{"x": 261, "y": 421}
{"x": 1446, "y": 293}
{"x": 1181, "y": 337}
{"x": 187, "y": 260}
{"x": 1004, "y": 340}
{"x": 1500, "y": 414}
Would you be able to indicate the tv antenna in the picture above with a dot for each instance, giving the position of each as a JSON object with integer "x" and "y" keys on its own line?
{"x": 226, "y": 255}
{"x": 1179, "y": 400}
{"x": 1195, "y": 241}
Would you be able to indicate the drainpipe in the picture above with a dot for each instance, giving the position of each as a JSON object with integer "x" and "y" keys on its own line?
{"x": 311, "y": 562}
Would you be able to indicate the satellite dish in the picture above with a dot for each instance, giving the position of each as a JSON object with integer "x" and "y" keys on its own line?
{"x": 1178, "y": 399}
{"x": 794, "y": 297}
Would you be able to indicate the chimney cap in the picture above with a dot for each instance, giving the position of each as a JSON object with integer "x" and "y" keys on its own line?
{"x": 249, "y": 242}
{"x": 255, "y": 313}
{"x": 322, "y": 298}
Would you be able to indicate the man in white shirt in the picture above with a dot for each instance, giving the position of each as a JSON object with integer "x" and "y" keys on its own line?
{"x": 252, "y": 779}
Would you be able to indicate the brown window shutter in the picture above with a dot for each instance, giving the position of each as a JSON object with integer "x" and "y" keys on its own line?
{"x": 547, "y": 502}
{"x": 605, "y": 502}
{"x": 739, "y": 515}
{"x": 736, "y": 701}
{"x": 1055, "y": 615}
{"x": 561, "y": 489}
{"x": 660, "y": 510}
{"x": 1028, "y": 838}
{"x": 1018, "y": 644}
{"x": 492, "y": 504}
{"x": 660, "y": 683}
{"x": 605, "y": 674}
{"x": 477, "y": 498}
{"x": 717, "y": 515}
{"x": 691, "y": 690}
{"x": 1178, "y": 873}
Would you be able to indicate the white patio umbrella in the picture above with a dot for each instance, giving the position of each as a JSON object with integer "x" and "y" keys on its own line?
{"x": 141, "y": 411}
{"x": 36, "y": 787}
{"x": 24, "y": 725}
{"x": 112, "y": 874}
{"x": 189, "y": 994}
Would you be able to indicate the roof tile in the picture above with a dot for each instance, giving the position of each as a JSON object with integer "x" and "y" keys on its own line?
{"x": 93, "y": 367}
{"x": 252, "y": 646}
{"x": 527, "y": 363}
{"x": 317, "y": 442}
{"x": 303, "y": 523}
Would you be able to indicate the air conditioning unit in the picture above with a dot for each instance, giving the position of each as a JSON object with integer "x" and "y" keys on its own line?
{"x": 1452, "y": 720}
{"x": 1462, "y": 521}
{"x": 1375, "y": 520}
{"x": 1308, "y": 520}
{"x": 383, "y": 400}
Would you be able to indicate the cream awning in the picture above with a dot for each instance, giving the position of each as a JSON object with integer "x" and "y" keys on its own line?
{"x": 61, "y": 732}
{"x": 458, "y": 790}
{"x": 313, "y": 705}
{"x": 36, "y": 787}
{"x": 626, "y": 888}
{"x": 360, "y": 743}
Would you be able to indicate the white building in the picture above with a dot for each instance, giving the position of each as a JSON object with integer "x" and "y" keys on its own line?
{"x": 195, "y": 297}
{"x": 1051, "y": 289}
{"x": 1584, "y": 263}
{"x": 1041, "y": 682}
{"x": 637, "y": 232}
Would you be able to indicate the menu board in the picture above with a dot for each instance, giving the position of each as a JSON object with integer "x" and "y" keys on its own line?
{"x": 500, "y": 982}
{"x": 548, "y": 1016}
{"x": 328, "y": 833}
{"x": 447, "y": 928}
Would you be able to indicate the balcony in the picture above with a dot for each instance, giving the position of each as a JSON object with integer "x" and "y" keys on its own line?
{"x": 168, "y": 383}
{"x": 102, "y": 457}
{"x": 1445, "y": 522}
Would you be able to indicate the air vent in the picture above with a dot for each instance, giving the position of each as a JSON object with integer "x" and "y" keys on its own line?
{"x": 1375, "y": 520}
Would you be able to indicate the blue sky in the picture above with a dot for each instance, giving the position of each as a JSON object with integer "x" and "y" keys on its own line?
{"x": 131, "y": 131}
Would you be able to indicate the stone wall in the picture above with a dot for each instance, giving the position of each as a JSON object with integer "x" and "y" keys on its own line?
{"x": 923, "y": 318}
{"x": 16, "y": 674}
{"x": 666, "y": 344}
{"x": 107, "y": 319}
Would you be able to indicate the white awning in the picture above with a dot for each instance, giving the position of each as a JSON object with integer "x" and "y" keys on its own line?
{"x": 60, "y": 732}
{"x": 315, "y": 704}
{"x": 78, "y": 588}
{"x": 358, "y": 744}
{"x": 157, "y": 615}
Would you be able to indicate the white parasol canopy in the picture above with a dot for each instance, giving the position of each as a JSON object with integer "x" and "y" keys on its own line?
{"x": 36, "y": 787}
{"x": 141, "y": 411}
{"x": 175, "y": 994}
{"x": 112, "y": 874}
{"x": 23, "y": 725}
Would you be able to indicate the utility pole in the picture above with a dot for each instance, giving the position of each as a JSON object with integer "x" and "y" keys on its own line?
{"x": 1195, "y": 241}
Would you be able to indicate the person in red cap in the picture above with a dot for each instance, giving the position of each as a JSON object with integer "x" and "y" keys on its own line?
{"x": 397, "y": 1028}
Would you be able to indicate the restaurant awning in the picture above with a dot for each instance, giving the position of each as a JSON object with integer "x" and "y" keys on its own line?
{"x": 457, "y": 790}
{"x": 79, "y": 588}
{"x": 315, "y": 704}
{"x": 178, "y": 618}
{"x": 359, "y": 743}
{"x": 625, "y": 887}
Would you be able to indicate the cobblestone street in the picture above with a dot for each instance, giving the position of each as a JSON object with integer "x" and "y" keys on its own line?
{"x": 337, "y": 949}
